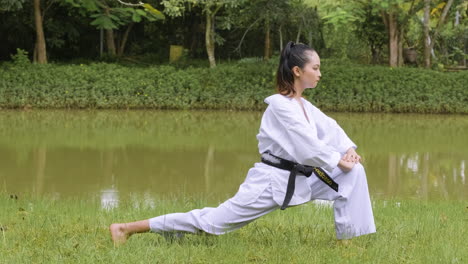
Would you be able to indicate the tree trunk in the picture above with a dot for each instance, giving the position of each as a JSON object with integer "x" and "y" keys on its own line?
{"x": 267, "y": 48}
{"x": 441, "y": 22}
{"x": 280, "y": 38}
{"x": 427, "y": 44}
{"x": 400, "y": 47}
{"x": 110, "y": 41}
{"x": 124, "y": 40}
{"x": 309, "y": 38}
{"x": 40, "y": 39}
{"x": 298, "y": 37}
{"x": 375, "y": 55}
{"x": 209, "y": 39}
{"x": 110, "y": 38}
{"x": 393, "y": 40}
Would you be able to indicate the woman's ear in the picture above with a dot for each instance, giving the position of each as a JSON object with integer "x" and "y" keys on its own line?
{"x": 296, "y": 71}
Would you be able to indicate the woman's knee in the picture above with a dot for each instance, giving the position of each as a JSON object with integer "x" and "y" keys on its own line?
{"x": 358, "y": 169}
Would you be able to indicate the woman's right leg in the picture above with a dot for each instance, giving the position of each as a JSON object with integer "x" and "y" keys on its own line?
{"x": 121, "y": 231}
{"x": 228, "y": 216}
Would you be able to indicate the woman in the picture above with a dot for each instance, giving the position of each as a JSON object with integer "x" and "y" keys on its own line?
{"x": 305, "y": 156}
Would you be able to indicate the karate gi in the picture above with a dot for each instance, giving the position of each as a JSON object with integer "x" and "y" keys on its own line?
{"x": 286, "y": 133}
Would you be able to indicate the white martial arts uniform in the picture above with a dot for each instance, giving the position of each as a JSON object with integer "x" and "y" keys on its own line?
{"x": 286, "y": 133}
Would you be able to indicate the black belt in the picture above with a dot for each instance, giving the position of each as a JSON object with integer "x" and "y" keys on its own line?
{"x": 294, "y": 167}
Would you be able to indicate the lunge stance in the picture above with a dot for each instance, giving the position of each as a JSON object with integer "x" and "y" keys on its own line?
{"x": 305, "y": 155}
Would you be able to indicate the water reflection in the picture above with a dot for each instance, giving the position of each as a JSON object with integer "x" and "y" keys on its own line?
{"x": 122, "y": 155}
{"x": 462, "y": 172}
{"x": 147, "y": 201}
{"x": 419, "y": 175}
{"x": 109, "y": 199}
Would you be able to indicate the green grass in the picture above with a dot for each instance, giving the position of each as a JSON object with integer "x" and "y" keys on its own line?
{"x": 49, "y": 230}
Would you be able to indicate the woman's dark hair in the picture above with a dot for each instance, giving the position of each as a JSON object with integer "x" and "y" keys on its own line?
{"x": 294, "y": 54}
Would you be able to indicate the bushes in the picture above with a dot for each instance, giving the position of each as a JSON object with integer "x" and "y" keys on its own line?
{"x": 239, "y": 86}
{"x": 382, "y": 89}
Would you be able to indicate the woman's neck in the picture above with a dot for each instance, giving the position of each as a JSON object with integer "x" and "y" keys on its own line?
{"x": 298, "y": 90}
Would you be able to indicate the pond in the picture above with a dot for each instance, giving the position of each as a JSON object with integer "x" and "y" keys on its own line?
{"x": 112, "y": 155}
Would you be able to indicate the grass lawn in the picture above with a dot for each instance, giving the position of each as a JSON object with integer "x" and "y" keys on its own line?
{"x": 47, "y": 230}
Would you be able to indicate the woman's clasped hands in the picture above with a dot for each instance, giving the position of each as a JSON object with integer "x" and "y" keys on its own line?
{"x": 349, "y": 159}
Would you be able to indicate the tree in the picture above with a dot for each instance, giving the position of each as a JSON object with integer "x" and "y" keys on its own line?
{"x": 263, "y": 15}
{"x": 369, "y": 26}
{"x": 11, "y": 5}
{"x": 110, "y": 15}
{"x": 427, "y": 44}
{"x": 434, "y": 18}
{"x": 210, "y": 8}
{"x": 390, "y": 11}
{"x": 341, "y": 17}
{"x": 396, "y": 15}
{"x": 440, "y": 23}
{"x": 41, "y": 53}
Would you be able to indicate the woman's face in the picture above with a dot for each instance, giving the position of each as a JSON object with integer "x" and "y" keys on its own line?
{"x": 309, "y": 75}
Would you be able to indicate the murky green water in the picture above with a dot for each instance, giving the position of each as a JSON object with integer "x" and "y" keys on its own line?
{"x": 114, "y": 154}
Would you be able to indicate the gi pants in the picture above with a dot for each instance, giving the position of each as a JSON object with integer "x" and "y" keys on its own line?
{"x": 352, "y": 208}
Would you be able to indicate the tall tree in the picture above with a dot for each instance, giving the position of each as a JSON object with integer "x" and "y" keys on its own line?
{"x": 369, "y": 26}
{"x": 441, "y": 22}
{"x": 40, "y": 56}
{"x": 396, "y": 14}
{"x": 427, "y": 44}
{"x": 341, "y": 17}
{"x": 390, "y": 11}
{"x": 265, "y": 16}
{"x": 111, "y": 15}
{"x": 210, "y": 9}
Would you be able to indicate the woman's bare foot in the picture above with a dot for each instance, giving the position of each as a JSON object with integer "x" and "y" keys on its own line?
{"x": 119, "y": 233}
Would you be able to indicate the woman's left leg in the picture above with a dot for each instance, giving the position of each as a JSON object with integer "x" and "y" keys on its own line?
{"x": 352, "y": 206}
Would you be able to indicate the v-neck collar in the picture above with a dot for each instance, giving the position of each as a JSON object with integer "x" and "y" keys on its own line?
{"x": 303, "y": 108}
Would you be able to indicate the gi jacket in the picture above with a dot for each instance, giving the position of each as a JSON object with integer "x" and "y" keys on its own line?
{"x": 286, "y": 133}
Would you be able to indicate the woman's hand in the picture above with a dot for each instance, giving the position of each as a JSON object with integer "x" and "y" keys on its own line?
{"x": 351, "y": 156}
{"x": 346, "y": 165}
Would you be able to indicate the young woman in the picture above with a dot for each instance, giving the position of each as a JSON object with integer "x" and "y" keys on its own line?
{"x": 305, "y": 156}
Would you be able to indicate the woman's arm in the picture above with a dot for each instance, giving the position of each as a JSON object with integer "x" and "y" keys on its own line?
{"x": 342, "y": 142}
{"x": 299, "y": 138}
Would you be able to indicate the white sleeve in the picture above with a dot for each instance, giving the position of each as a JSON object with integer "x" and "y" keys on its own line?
{"x": 343, "y": 142}
{"x": 301, "y": 140}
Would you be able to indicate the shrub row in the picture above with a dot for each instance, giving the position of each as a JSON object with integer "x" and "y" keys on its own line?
{"x": 238, "y": 86}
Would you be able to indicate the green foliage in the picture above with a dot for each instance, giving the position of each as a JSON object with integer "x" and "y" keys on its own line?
{"x": 112, "y": 15}
{"x": 11, "y": 5}
{"x": 241, "y": 85}
{"x": 20, "y": 58}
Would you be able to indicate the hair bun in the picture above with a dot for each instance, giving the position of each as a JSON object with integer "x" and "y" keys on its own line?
{"x": 287, "y": 49}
